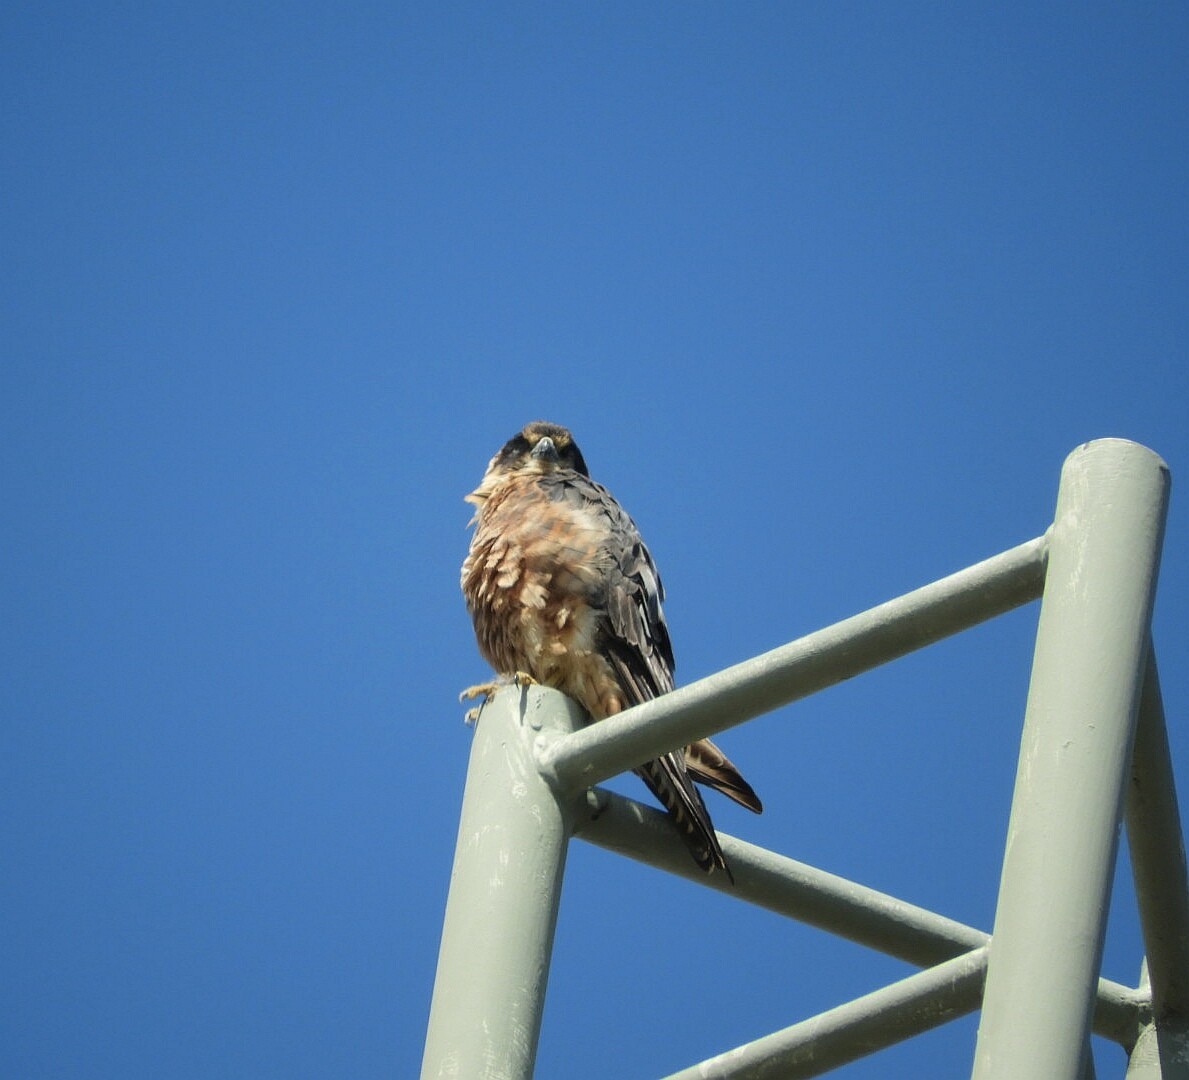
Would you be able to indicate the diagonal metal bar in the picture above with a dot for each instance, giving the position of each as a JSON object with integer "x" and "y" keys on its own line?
{"x": 877, "y": 1020}
{"x": 826, "y": 901}
{"x": 795, "y": 670}
{"x": 782, "y": 885}
{"x": 1158, "y": 854}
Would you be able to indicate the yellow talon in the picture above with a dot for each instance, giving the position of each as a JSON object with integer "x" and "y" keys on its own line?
{"x": 485, "y": 690}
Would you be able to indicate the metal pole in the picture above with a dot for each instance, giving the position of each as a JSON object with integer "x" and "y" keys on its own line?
{"x": 800, "y": 668}
{"x": 1144, "y": 1061}
{"x": 1161, "y": 1050}
{"x": 497, "y": 934}
{"x": 877, "y": 1020}
{"x": 1158, "y": 855}
{"x": 818, "y": 898}
{"x": 1091, "y": 644}
{"x": 783, "y": 885}
{"x": 1162, "y": 892}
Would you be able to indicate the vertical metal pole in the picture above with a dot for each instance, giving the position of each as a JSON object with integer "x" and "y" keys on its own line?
{"x": 1158, "y": 855}
{"x": 502, "y": 909}
{"x": 1162, "y": 892}
{"x": 1091, "y": 644}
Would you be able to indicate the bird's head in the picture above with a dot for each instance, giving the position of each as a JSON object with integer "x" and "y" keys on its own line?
{"x": 540, "y": 447}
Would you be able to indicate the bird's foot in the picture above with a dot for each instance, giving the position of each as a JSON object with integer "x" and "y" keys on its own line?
{"x": 486, "y": 689}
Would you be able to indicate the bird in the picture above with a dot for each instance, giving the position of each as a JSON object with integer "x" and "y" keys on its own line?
{"x": 562, "y": 591}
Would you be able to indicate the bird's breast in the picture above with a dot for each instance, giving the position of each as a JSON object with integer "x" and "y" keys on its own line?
{"x": 534, "y": 580}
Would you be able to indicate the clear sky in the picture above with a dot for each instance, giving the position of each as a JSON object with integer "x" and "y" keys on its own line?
{"x": 826, "y": 292}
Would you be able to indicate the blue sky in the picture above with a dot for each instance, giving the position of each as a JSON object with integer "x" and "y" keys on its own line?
{"x": 826, "y": 292}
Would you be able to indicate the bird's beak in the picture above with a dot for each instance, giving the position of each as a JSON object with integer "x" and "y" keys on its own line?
{"x": 545, "y": 449}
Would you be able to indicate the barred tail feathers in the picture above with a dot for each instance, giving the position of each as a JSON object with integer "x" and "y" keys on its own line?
{"x": 669, "y": 781}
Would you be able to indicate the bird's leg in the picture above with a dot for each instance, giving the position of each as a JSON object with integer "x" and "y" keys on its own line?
{"x": 486, "y": 689}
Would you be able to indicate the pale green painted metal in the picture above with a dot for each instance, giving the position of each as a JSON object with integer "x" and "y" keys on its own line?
{"x": 1161, "y": 1052}
{"x": 860, "y": 1027}
{"x": 1158, "y": 855}
{"x": 497, "y": 935}
{"x": 818, "y": 898}
{"x": 532, "y": 760}
{"x": 1144, "y": 1061}
{"x": 783, "y": 885}
{"x": 1091, "y": 645}
{"x": 1157, "y": 852}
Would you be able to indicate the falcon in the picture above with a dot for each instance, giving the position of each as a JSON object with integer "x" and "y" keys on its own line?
{"x": 562, "y": 590}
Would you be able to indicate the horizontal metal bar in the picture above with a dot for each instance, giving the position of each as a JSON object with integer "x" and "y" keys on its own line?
{"x": 815, "y": 897}
{"x": 889, "y": 1015}
{"x": 1158, "y": 854}
{"x": 797, "y": 669}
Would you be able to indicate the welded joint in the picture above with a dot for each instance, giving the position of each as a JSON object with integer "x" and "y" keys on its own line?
{"x": 1156, "y": 1048}
{"x": 547, "y": 716}
{"x": 1139, "y": 1032}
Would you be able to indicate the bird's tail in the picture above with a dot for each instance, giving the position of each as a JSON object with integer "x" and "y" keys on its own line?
{"x": 710, "y": 766}
{"x": 670, "y": 782}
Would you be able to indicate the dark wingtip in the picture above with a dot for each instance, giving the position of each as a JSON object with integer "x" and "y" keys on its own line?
{"x": 744, "y": 796}
{"x": 708, "y": 765}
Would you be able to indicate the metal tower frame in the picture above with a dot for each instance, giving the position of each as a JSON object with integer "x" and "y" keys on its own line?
{"x": 1094, "y": 753}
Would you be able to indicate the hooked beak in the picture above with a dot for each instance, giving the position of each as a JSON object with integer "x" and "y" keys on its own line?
{"x": 545, "y": 449}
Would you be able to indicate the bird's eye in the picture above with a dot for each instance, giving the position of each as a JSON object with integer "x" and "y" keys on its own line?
{"x": 513, "y": 450}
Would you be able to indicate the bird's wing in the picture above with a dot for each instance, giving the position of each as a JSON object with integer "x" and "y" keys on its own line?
{"x": 635, "y": 635}
{"x": 710, "y": 766}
